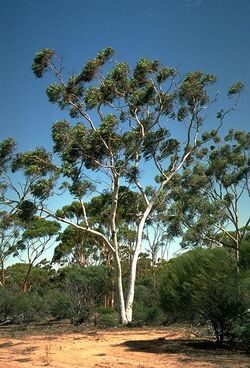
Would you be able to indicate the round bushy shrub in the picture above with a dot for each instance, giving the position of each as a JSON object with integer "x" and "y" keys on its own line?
{"x": 204, "y": 284}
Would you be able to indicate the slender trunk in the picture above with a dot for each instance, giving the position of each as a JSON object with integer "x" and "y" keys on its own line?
{"x": 154, "y": 273}
{"x": 118, "y": 269}
{"x": 132, "y": 275}
{"x": 112, "y": 297}
{"x": 26, "y": 280}
{"x": 154, "y": 262}
{"x": 238, "y": 257}
{"x": 120, "y": 293}
{"x": 2, "y": 277}
{"x": 109, "y": 290}
{"x": 133, "y": 267}
{"x": 237, "y": 250}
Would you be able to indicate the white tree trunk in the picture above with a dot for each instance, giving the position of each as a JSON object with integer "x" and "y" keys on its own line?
{"x": 133, "y": 267}
{"x": 119, "y": 287}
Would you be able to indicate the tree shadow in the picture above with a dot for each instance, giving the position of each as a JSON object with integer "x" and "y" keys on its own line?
{"x": 188, "y": 349}
{"x": 9, "y": 344}
{"x": 6, "y": 345}
{"x": 23, "y": 360}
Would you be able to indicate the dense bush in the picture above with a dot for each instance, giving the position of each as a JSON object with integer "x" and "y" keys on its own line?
{"x": 106, "y": 317}
{"x": 245, "y": 254}
{"x": 57, "y": 304}
{"x": 241, "y": 328}
{"x": 7, "y": 303}
{"x": 203, "y": 283}
{"x": 82, "y": 291}
{"x": 19, "y": 307}
{"x": 147, "y": 309}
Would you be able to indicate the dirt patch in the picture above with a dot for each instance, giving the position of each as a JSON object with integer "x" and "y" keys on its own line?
{"x": 117, "y": 348}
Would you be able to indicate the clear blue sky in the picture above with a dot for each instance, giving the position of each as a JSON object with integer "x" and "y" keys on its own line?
{"x": 209, "y": 35}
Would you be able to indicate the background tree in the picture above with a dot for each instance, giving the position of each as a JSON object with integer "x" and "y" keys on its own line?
{"x": 85, "y": 288}
{"x": 210, "y": 194}
{"x": 40, "y": 278}
{"x": 157, "y": 240}
{"x": 36, "y": 239}
{"x": 9, "y": 235}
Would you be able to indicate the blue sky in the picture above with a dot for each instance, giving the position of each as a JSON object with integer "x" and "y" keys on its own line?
{"x": 209, "y": 35}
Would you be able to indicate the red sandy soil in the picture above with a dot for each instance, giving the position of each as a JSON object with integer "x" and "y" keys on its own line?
{"x": 115, "y": 348}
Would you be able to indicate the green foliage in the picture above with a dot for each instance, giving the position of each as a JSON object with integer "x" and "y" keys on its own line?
{"x": 147, "y": 309}
{"x": 165, "y": 73}
{"x": 138, "y": 92}
{"x": 143, "y": 68}
{"x": 42, "y": 61}
{"x": 245, "y": 254}
{"x": 76, "y": 247}
{"x": 84, "y": 287}
{"x": 7, "y": 147}
{"x": 19, "y": 307}
{"x": 236, "y": 88}
{"x": 93, "y": 97}
{"x": 41, "y": 228}
{"x": 28, "y": 307}
{"x": 241, "y": 329}
{"x": 26, "y": 210}
{"x": 106, "y": 317}
{"x": 54, "y": 92}
{"x": 192, "y": 88}
{"x": 37, "y": 162}
{"x": 7, "y": 304}
{"x": 57, "y": 304}
{"x": 39, "y": 278}
{"x": 43, "y": 188}
{"x": 204, "y": 196}
{"x": 203, "y": 283}
{"x": 241, "y": 326}
{"x": 90, "y": 69}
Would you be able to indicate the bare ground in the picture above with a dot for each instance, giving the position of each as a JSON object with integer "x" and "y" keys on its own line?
{"x": 115, "y": 348}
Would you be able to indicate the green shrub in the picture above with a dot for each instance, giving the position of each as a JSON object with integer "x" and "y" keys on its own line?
{"x": 57, "y": 304}
{"x": 28, "y": 307}
{"x": 106, "y": 317}
{"x": 203, "y": 284}
{"x": 147, "y": 309}
{"x": 7, "y": 304}
{"x": 19, "y": 307}
{"x": 241, "y": 328}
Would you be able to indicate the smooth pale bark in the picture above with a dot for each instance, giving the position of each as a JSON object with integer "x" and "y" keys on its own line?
{"x": 133, "y": 267}
{"x": 120, "y": 292}
{"x": 118, "y": 269}
{"x": 150, "y": 204}
{"x": 2, "y": 278}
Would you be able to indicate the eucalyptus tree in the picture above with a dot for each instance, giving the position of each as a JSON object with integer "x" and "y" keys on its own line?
{"x": 211, "y": 197}
{"x": 36, "y": 239}
{"x": 9, "y": 235}
{"x": 75, "y": 247}
{"x": 38, "y": 176}
{"x": 84, "y": 249}
{"x": 127, "y": 120}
